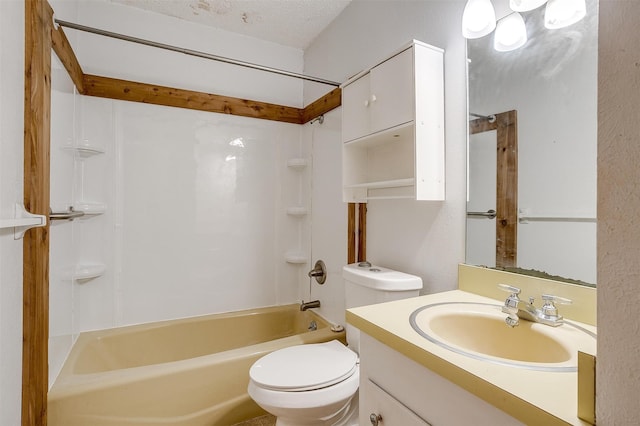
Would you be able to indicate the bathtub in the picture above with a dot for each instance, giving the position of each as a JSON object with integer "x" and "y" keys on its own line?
{"x": 192, "y": 371}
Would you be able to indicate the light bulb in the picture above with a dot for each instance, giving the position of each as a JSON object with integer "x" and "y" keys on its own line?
{"x": 478, "y": 18}
{"x": 562, "y": 13}
{"x": 511, "y": 33}
{"x": 525, "y": 5}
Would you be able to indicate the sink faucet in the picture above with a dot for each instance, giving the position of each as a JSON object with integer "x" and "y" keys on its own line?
{"x": 308, "y": 305}
{"x": 516, "y": 309}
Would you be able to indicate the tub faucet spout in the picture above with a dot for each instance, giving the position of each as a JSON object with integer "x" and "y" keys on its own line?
{"x": 308, "y": 305}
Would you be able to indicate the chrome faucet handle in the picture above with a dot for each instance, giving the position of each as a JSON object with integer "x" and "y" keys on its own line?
{"x": 509, "y": 289}
{"x": 549, "y": 308}
{"x": 513, "y": 299}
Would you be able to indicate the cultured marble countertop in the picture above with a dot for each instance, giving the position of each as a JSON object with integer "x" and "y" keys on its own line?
{"x": 533, "y": 397}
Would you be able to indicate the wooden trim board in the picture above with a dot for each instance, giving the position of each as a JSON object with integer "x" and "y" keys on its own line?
{"x": 325, "y": 104}
{"x": 362, "y": 232}
{"x": 112, "y": 88}
{"x": 62, "y": 48}
{"x": 35, "y": 269}
{"x": 506, "y": 126}
{"x": 351, "y": 233}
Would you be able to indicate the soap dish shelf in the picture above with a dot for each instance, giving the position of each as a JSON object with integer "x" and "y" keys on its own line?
{"x": 295, "y": 258}
{"x": 297, "y": 163}
{"x": 87, "y": 271}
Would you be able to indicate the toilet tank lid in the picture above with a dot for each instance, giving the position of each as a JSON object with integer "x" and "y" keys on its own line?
{"x": 380, "y": 278}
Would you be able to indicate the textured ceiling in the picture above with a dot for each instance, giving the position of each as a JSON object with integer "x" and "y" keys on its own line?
{"x": 294, "y": 23}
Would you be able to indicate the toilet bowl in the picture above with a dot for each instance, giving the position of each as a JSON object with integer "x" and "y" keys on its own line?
{"x": 313, "y": 384}
{"x": 317, "y": 384}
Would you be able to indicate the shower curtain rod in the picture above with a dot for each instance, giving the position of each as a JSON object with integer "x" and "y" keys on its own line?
{"x": 192, "y": 52}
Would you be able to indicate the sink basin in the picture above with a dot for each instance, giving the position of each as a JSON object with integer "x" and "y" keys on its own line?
{"x": 478, "y": 330}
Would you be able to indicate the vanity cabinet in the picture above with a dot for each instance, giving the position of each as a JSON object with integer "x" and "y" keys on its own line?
{"x": 382, "y": 408}
{"x": 393, "y": 128}
{"x": 403, "y": 392}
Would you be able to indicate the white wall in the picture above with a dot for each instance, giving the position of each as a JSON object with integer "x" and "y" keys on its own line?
{"x": 11, "y": 158}
{"x": 618, "y": 369}
{"x": 422, "y": 238}
{"x": 552, "y": 82}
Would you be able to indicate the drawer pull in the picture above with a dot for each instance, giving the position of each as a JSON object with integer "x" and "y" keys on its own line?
{"x": 375, "y": 418}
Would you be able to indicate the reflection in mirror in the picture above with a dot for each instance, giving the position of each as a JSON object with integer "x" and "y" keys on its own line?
{"x": 550, "y": 83}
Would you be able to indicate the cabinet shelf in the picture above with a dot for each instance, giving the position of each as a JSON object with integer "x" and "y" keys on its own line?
{"x": 395, "y": 183}
{"x": 385, "y": 136}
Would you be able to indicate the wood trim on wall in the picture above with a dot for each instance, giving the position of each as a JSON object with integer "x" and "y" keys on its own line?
{"x": 351, "y": 233}
{"x": 125, "y": 90}
{"x": 112, "y": 88}
{"x": 37, "y": 121}
{"x": 506, "y": 126}
{"x": 62, "y": 48}
{"x": 362, "y": 232}
{"x": 325, "y": 104}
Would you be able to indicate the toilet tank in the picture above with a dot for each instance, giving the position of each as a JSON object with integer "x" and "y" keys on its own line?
{"x": 367, "y": 284}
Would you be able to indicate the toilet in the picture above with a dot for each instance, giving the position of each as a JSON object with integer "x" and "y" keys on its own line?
{"x": 317, "y": 384}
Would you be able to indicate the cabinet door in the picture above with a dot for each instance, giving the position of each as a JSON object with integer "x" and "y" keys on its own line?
{"x": 392, "y": 92}
{"x": 355, "y": 109}
{"x": 376, "y": 402}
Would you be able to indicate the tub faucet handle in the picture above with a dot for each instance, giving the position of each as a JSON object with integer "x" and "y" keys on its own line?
{"x": 319, "y": 272}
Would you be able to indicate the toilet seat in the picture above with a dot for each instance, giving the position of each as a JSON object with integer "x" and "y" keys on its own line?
{"x": 304, "y": 367}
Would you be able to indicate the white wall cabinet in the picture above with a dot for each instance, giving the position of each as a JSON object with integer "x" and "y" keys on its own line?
{"x": 409, "y": 394}
{"x": 393, "y": 128}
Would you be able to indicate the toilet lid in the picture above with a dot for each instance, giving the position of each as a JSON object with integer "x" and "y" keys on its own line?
{"x": 304, "y": 367}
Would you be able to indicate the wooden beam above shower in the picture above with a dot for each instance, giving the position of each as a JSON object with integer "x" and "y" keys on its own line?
{"x": 105, "y": 87}
{"x": 62, "y": 47}
{"x": 124, "y": 90}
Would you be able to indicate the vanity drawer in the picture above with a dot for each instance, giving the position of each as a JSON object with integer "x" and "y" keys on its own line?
{"x": 390, "y": 411}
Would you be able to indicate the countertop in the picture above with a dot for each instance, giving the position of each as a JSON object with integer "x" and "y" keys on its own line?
{"x": 533, "y": 397}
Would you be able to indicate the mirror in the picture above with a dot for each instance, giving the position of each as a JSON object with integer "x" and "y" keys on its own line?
{"x": 546, "y": 223}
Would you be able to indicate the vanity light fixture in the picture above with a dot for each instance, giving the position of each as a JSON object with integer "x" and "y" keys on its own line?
{"x": 478, "y": 18}
{"x": 511, "y": 33}
{"x": 562, "y": 13}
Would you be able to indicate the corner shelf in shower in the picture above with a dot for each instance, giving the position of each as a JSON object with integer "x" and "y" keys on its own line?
{"x": 297, "y": 211}
{"x": 295, "y": 258}
{"x": 90, "y": 209}
{"x": 297, "y": 163}
{"x": 88, "y": 271}
{"x": 85, "y": 150}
